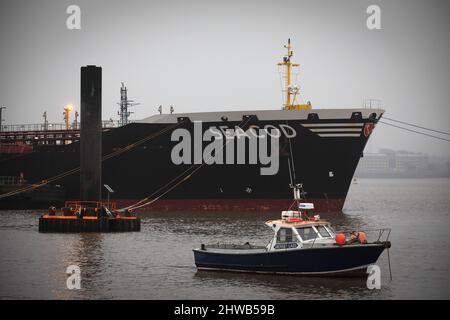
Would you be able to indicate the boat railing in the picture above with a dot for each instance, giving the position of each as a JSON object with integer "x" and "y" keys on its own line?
{"x": 381, "y": 234}
{"x": 372, "y": 103}
{"x": 373, "y": 236}
{"x": 77, "y": 205}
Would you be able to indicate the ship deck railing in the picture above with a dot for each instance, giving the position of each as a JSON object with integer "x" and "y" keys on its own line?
{"x": 51, "y": 134}
{"x": 12, "y": 180}
{"x": 36, "y": 127}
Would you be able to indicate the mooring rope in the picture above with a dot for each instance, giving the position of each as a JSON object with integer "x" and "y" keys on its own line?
{"x": 417, "y": 126}
{"x": 414, "y": 131}
{"x": 142, "y": 203}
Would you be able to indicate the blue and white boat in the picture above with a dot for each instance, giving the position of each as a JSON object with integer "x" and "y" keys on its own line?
{"x": 301, "y": 245}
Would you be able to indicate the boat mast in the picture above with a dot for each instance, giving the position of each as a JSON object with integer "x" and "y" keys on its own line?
{"x": 291, "y": 90}
{"x": 298, "y": 193}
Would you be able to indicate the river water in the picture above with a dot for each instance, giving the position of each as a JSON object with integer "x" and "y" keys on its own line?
{"x": 157, "y": 263}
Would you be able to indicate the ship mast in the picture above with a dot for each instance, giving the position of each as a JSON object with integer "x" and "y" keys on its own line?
{"x": 124, "y": 104}
{"x": 291, "y": 90}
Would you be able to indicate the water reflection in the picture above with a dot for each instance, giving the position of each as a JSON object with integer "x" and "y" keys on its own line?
{"x": 290, "y": 287}
{"x": 85, "y": 250}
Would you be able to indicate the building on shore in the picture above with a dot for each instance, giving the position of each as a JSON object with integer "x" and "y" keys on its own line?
{"x": 401, "y": 164}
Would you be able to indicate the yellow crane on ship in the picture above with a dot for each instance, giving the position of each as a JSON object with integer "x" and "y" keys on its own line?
{"x": 292, "y": 91}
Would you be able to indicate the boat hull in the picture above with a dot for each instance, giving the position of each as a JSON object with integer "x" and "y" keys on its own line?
{"x": 325, "y": 152}
{"x": 350, "y": 260}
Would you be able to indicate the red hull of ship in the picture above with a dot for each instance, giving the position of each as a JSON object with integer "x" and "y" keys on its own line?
{"x": 321, "y": 205}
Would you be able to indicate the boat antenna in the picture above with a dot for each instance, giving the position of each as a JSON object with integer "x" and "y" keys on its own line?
{"x": 290, "y": 172}
{"x": 299, "y": 193}
{"x": 292, "y": 159}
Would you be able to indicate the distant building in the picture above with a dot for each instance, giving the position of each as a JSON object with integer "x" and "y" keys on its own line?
{"x": 392, "y": 163}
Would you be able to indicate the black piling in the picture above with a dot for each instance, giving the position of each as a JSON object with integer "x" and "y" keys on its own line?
{"x": 90, "y": 171}
{"x": 91, "y": 134}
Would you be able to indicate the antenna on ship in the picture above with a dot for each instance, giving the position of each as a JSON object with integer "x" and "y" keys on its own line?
{"x": 44, "y": 115}
{"x": 1, "y": 119}
{"x": 124, "y": 104}
{"x": 291, "y": 91}
{"x": 75, "y": 122}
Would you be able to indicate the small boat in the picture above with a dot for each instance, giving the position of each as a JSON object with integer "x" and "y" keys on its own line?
{"x": 301, "y": 245}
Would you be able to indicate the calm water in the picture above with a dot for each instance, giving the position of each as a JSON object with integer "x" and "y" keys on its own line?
{"x": 157, "y": 263}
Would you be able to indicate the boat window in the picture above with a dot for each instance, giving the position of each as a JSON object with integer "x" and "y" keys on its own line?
{"x": 331, "y": 230}
{"x": 307, "y": 233}
{"x": 323, "y": 231}
{"x": 284, "y": 235}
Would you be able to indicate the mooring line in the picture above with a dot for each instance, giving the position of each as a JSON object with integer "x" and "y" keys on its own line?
{"x": 414, "y": 131}
{"x": 417, "y": 126}
{"x": 140, "y": 203}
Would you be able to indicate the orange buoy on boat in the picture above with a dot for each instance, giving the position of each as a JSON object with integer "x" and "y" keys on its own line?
{"x": 340, "y": 239}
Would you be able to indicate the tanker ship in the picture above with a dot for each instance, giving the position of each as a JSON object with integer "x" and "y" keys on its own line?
{"x": 224, "y": 161}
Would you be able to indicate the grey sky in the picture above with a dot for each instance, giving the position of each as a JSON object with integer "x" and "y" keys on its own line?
{"x": 222, "y": 55}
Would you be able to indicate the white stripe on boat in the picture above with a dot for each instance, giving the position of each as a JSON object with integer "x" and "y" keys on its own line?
{"x": 337, "y": 130}
{"x": 339, "y": 134}
{"x": 308, "y": 125}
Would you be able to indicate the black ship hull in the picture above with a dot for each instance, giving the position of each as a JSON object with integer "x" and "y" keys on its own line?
{"x": 138, "y": 162}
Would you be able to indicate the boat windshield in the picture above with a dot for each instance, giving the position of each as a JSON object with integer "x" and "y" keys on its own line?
{"x": 284, "y": 235}
{"x": 330, "y": 231}
{"x": 307, "y": 233}
{"x": 323, "y": 232}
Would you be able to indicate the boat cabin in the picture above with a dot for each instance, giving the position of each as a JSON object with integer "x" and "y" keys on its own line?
{"x": 297, "y": 230}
